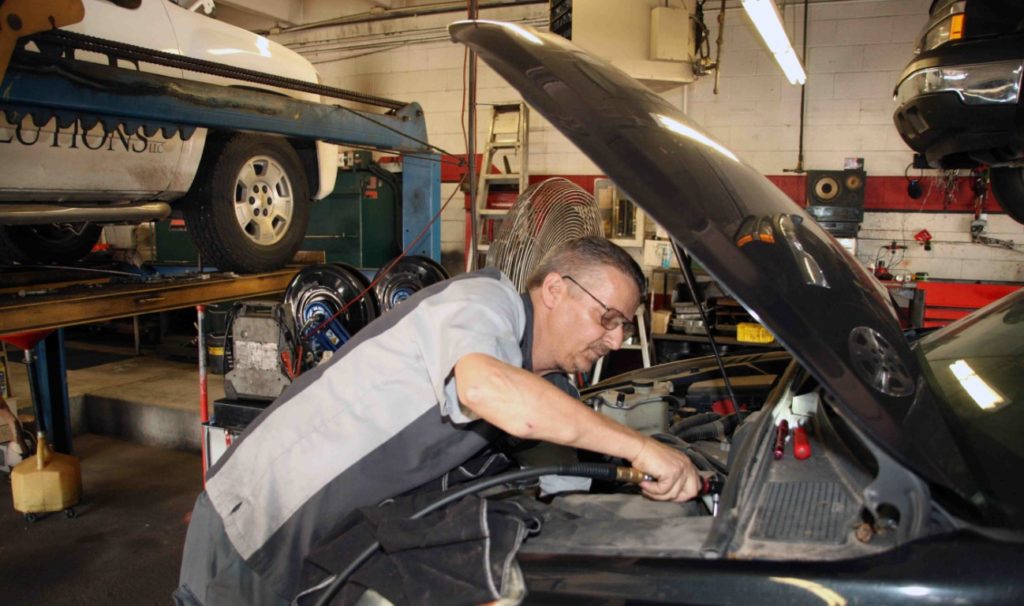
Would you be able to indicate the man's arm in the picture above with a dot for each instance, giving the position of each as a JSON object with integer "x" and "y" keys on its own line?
{"x": 526, "y": 406}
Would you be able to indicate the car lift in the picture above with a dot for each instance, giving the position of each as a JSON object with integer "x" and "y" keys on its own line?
{"x": 46, "y": 86}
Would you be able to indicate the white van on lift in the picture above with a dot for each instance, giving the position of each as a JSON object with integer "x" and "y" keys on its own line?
{"x": 245, "y": 197}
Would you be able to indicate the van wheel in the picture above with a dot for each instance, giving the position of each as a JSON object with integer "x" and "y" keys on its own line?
{"x": 29, "y": 244}
{"x": 249, "y": 206}
{"x": 1008, "y": 186}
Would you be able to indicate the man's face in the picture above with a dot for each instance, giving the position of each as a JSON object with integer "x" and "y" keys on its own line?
{"x": 582, "y": 337}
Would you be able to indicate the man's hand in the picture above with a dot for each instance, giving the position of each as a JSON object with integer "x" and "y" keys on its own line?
{"x": 675, "y": 477}
{"x": 526, "y": 406}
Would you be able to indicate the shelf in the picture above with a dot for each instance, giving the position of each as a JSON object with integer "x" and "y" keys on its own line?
{"x": 721, "y": 340}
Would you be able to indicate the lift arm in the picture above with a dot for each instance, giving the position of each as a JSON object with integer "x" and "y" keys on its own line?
{"x": 78, "y": 90}
{"x": 24, "y": 17}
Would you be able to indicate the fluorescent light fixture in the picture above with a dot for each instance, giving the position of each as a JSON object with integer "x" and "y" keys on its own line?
{"x": 984, "y": 396}
{"x": 766, "y": 18}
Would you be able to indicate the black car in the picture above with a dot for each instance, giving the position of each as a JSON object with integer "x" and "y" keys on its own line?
{"x": 959, "y": 101}
{"x": 902, "y": 483}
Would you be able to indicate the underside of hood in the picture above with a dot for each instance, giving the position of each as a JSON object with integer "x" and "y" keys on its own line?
{"x": 765, "y": 250}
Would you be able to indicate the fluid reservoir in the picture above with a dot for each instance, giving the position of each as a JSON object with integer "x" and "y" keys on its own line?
{"x": 643, "y": 405}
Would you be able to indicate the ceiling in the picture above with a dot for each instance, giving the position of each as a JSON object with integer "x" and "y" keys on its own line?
{"x": 270, "y": 15}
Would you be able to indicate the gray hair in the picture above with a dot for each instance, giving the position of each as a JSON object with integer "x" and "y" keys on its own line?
{"x": 581, "y": 256}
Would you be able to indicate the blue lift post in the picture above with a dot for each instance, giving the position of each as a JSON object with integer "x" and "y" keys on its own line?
{"x": 113, "y": 96}
{"x": 47, "y": 369}
{"x": 421, "y": 196}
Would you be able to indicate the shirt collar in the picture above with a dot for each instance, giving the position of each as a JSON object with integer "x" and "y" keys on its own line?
{"x": 526, "y": 343}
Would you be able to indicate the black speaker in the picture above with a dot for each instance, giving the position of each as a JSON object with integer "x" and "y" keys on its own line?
{"x": 836, "y": 195}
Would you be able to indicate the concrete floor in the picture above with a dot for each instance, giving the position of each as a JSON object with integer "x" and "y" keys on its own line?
{"x": 140, "y": 480}
{"x": 125, "y": 545}
{"x": 147, "y": 399}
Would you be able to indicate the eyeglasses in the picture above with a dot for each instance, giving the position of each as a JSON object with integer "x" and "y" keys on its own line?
{"x": 611, "y": 318}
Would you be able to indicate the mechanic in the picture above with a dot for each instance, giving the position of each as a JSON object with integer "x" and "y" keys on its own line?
{"x": 398, "y": 406}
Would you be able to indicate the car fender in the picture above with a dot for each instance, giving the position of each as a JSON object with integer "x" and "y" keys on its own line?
{"x": 327, "y": 168}
{"x": 205, "y": 38}
{"x": 201, "y": 37}
{"x": 188, "y": 163}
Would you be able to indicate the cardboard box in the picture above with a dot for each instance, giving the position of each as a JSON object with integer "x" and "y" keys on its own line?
{"x": 659, "y": 321}
{"x": 6, "y": 431}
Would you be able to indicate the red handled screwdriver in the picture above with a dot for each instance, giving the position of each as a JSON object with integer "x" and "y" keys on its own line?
{"x": 780, "y": 439}
{"x": 801, "y": 445}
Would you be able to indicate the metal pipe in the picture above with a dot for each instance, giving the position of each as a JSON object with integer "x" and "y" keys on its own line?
{"x": 399, "y": 13}
{"x": 35, "y": 214}
{"x": 471, "y": 258}
{"x": 718, "y": 44}
{"x": 803, "y": 103}
{"x": 803, "y": 94}
{"x": 691, "y": 282}
{"x": 204, "y": 405}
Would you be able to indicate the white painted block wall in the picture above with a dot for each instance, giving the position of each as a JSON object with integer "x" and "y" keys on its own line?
{"x": 855, "y": 53}
{"x": 952, "y": 254}
{"x": 856, "y": 50}
{"x": 431, "y": 73}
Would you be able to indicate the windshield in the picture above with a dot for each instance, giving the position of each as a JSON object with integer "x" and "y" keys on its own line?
{"x": 976, "y": 368}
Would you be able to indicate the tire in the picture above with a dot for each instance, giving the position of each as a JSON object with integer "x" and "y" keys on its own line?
{"x": 249, "y": 207}
{"x": 61, "y": 244}
{"x": 1008, "y": 186}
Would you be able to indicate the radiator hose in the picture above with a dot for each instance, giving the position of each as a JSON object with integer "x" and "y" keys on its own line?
{"x": 717, "y": 429}
{"x": 597, "y": 471}
{"x": 694, "y": 421}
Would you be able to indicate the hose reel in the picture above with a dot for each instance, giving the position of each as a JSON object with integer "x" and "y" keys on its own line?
{"x": 315, "y": 296}
{"x": 406, "y": 277}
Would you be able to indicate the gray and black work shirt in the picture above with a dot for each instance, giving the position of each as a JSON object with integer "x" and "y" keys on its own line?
{"x": 380, "y": 418}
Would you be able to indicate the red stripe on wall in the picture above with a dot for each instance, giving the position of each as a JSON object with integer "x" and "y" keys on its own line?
{"x": 882, "y": 193}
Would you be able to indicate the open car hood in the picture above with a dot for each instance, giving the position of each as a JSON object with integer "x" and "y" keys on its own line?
{"x": 769, "y": 254}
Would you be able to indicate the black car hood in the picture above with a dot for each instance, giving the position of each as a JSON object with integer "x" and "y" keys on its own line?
{"x": 765, "y": 250}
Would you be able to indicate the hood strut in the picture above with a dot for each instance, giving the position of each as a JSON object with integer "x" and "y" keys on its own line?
{"x": 691, "y": 283}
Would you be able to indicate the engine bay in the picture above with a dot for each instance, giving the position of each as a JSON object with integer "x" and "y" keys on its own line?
{"x": 795, "y": 481}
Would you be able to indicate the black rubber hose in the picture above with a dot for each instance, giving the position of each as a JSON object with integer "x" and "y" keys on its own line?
{"x": 716, "y": 430}
{"x": 711, "y": 431}
{"x": 597, "y": 471}
{"x": 694, "y": 420}
{"x": 711, "y": 459}
{"x": 699, "y": 460}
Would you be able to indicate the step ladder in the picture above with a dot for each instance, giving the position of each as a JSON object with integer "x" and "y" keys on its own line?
{"x": 641, "y": 344}
{"x": 507, "y": 146}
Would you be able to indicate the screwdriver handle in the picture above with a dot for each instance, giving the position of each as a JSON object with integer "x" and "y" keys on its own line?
{"x": 801, "y": 445}
{"x": 711, "y": 484}
{"x": 780, "y": 439}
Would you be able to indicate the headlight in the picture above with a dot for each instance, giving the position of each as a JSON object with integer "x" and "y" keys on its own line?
{"x": 979, "y": 84}
{"x": 945, "y": 25}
